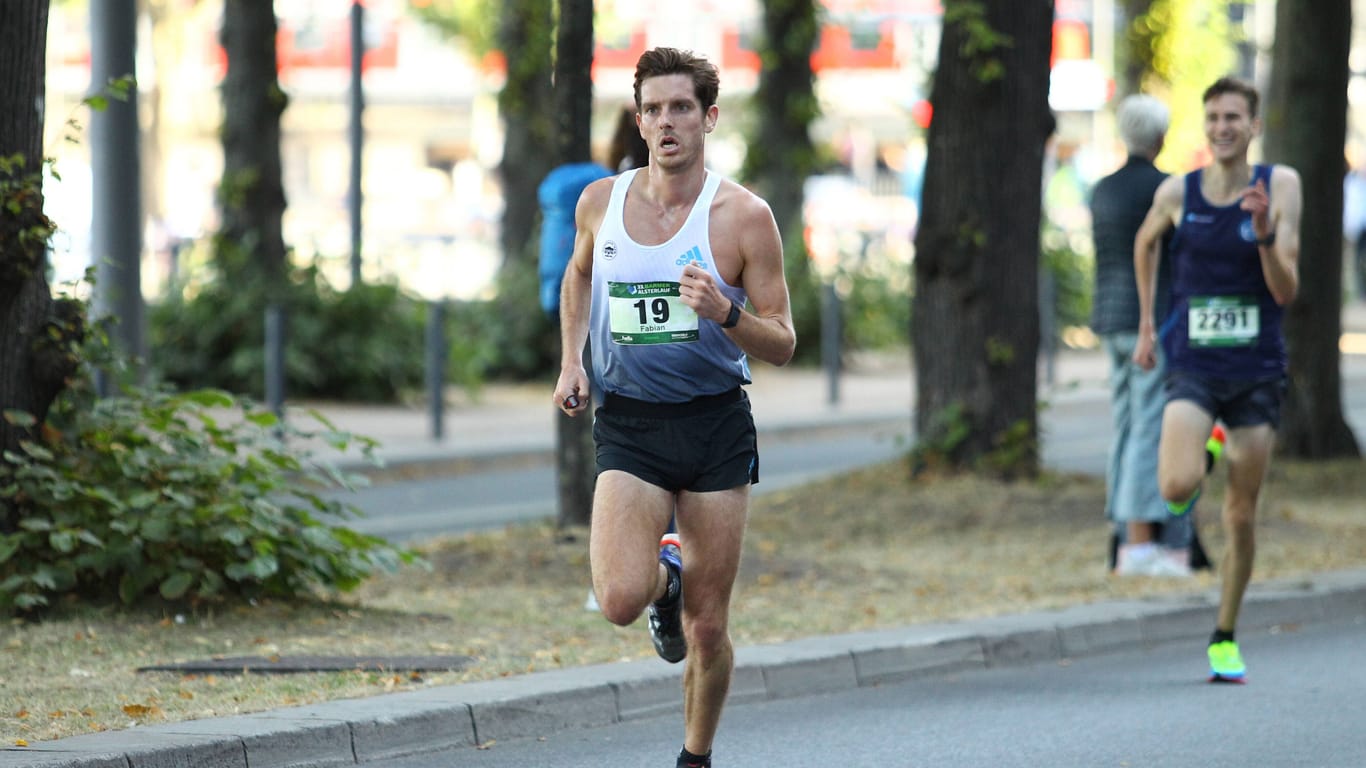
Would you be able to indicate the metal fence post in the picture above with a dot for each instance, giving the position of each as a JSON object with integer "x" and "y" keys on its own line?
{"x": 436, "y": 368}
{"x": 275, "y": 360}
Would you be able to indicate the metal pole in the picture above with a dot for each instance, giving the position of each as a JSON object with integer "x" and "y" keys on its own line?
{"x": 831, "y": 334}
{"x": 436, "y": 368}
{"x": 116, "y": 222}
{"x": 275, "y": 360}
{"x": 357, "y": 134}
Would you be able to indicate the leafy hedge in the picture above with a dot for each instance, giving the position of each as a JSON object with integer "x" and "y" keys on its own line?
{"x": 192, "y": 496}
{"x": 364, "y": 344}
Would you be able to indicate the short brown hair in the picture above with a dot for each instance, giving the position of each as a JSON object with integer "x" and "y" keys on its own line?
{"x": 1233, "y": 85}
{"x": 671, "y": 61}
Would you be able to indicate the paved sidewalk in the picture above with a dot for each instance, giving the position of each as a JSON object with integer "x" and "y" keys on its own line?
{"x": 520, "y": 420}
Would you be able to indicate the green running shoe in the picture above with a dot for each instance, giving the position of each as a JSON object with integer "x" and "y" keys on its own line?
{"x": 1225, "y": 663}
{"x": 1177, "y": 509}
{"x": 1214, "y": 447}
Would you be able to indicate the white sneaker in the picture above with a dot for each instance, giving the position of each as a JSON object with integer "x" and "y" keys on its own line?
{"x": 1150, "y": 560}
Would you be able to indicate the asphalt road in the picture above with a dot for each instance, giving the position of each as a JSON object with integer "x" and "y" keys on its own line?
{"x": 1302, "y": 706}
{"x": 525, "y": 491}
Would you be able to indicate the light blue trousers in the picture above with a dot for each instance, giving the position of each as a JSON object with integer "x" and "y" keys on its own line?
{"x": 1136, "y": 403}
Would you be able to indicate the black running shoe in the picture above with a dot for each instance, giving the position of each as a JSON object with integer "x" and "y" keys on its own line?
{"x": 686, "y": 760}
{"x": 666, "y": 616}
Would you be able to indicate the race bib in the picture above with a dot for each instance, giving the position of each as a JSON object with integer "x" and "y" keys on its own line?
{"x": 1224, "y": 321}
{"x": 650, "y": 313}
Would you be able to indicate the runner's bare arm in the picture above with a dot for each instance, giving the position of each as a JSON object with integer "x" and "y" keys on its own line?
{"x": 1280, "y": 260}
{"x": 1166, "y": 207}
{"x": 572, "y": 388}
{"x": 767, "y": 333}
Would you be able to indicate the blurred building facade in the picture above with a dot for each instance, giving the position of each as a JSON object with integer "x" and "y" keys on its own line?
{"x": 433, "y": 137}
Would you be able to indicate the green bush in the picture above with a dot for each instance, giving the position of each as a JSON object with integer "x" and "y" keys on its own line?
{"x": 1068, "y": 259}
{"x": 191, "y": 497}
{"x": 364, "y": 344}
{"x": 518, "y": 341}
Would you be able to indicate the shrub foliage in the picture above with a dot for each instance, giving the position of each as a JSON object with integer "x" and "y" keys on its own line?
{"x": 193, "y": 496}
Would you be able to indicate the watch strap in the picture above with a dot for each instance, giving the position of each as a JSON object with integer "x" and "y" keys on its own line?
{"x": 732, "y": 319}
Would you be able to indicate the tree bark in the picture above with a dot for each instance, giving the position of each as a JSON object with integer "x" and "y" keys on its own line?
{"x": 575, "y": 456}
{"x": 524, "y": 35}
{"x": 37, "y": 334}
{"x": 974, "y": 316}
{"x": 780, "y": 156}
{"x": 252, "y": 197}
{"x": 1306, "y": 125}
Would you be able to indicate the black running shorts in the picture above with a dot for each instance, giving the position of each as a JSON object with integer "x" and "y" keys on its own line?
{"x": 705, "y": 444}
{"x": 1236, "y": 403}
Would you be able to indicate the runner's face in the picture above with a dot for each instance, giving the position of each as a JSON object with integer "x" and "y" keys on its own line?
{"x": 1229, "y": 126}
{"x": 672, "y": 121}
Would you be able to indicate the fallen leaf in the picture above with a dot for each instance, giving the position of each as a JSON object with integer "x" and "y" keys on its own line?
{"x": 20, "y": 743}
{"x": 142, "y": 710}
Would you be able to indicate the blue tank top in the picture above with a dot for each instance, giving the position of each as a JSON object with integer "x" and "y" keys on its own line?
{"x": 646, "y": 343}
{"x": 1224, "y": 322}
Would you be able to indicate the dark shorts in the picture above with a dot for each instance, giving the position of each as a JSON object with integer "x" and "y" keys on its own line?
{"x": 706, "y": 444}
{"x": 1237, "y": 403}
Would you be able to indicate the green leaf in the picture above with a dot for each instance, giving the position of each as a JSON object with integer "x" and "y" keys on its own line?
{"x": 130, "y": 587}
{"x": 29, "y": 601}
{"x": 156, "y": 529}
{"x": 209, "y": 398}
{"x": 19, "y": 418}
{"x": 9, "y": 544}
{"x": 263, "y": 567}
{"x": 62, "y": 541}
{"x": 174, "y": 587}
{"x": 264, "y": 419}
{"x": 36, "y": 451}
{"x": 142, "y": 499}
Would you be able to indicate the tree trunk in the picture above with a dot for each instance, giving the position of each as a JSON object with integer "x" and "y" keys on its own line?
{"x": 974, "y": 317}
{"x": 1306, "y": 126}
{"x": 252, "y": 197}
{"x": 524, "y": 35}
{"x": 37, "y": 334}
{"x": 779, "y": 155}
{"x": 575, "y": 457}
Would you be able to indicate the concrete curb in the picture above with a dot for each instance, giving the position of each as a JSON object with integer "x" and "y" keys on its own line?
{"x": 357, "y": 731}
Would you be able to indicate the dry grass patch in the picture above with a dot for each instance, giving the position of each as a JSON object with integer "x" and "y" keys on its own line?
{"x": 872, "y": 549}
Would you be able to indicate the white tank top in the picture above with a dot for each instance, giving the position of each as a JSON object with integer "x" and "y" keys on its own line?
{"x": 646, "y": 343}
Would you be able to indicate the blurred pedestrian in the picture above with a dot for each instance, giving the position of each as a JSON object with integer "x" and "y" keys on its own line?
{"x": 1354, "y": 225}
{"x": 1235, "y": 266}
{"x": 628, "y": 149}
{"x": 1148, "y": 540}
{"x": 665, "y": 259}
